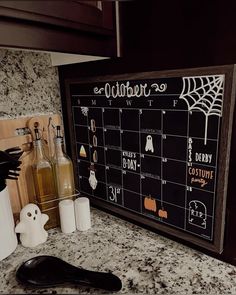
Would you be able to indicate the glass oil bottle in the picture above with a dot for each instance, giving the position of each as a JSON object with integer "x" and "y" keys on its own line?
{"x": 44, "y": 183}
{"x": 63, "y": 169}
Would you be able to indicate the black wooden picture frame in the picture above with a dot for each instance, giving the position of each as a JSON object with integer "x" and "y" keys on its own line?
{"x": 207, "y": 96}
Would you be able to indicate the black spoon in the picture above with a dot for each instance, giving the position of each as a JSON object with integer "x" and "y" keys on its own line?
{"x": 48, "y": 271}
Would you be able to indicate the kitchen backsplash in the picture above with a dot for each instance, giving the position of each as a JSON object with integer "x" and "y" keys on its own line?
{"x": 29, "y": 84}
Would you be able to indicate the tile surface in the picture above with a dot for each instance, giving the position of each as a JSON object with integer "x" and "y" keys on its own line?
{"x": 147, "y": 263}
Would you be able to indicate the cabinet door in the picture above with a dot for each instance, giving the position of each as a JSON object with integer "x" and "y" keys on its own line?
{"x": 87, "y": 15}
{"x": 77, "y": 24}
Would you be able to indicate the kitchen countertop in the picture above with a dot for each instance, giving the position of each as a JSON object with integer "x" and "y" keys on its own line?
{"x": 145, "y": 261}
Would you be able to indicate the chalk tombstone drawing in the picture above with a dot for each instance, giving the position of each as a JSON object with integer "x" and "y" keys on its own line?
{"x": 197, "y": 214}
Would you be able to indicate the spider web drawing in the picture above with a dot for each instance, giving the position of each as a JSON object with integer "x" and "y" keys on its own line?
{"x": 204, "y": 93}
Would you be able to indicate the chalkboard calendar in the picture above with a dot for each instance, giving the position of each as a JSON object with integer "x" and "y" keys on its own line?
{"x": 154, "y": 147}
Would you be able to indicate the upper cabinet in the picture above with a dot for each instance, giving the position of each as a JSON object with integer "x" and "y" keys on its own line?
{"x": 83, "y": 27}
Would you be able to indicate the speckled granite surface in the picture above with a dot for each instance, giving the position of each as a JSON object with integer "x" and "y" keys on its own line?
{"x": 28, "y": 84}
{"x": 145, "y": 262}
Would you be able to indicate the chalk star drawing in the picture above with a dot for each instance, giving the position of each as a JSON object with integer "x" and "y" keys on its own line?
{"x": 204, "y": 93}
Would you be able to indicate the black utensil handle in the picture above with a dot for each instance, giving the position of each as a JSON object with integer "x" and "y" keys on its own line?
{"x": 101, "y": 280}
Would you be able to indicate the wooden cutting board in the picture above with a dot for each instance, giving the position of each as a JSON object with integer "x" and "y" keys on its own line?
{"x": 19, "y": 133}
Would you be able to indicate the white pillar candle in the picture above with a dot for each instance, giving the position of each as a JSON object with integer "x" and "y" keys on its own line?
{"x": 67, "y": 216}
{"x": 82, "y": 214}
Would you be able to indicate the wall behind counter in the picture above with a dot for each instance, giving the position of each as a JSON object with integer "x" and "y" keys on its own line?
{"x": 29, "y": 84}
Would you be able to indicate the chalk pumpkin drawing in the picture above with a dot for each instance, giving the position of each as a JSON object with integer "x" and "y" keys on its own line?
{"x": 162, "y": 213}
{"x": 150, "y": 204}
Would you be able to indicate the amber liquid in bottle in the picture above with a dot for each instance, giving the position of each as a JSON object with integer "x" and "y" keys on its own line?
{"x": 63, "y": 169}
{"x": 44, "y": 184}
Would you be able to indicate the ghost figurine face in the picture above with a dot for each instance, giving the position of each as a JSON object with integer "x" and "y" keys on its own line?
{"x": 31, "y": 226}
{"x": 149, "y": 144}
{"x": 93, "y": 180}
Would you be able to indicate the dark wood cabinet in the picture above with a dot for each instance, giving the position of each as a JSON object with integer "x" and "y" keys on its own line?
{"x": 84, "y": 27}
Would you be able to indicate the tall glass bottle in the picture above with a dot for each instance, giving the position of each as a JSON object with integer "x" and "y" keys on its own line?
{"x": 63, "y": 169}
{"x": 44, "y": 183}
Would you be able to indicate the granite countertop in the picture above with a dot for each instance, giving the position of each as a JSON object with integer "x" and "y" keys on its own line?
{"x": 146, "y": 262}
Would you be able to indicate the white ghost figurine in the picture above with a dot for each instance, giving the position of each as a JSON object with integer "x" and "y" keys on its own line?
{"x": 31, "y": 226}
{"x": 93, "y": 180}
{"x": 149, "y": 144}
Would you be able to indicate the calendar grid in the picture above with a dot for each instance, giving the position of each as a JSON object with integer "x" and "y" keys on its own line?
{"x": 159, "y": 162}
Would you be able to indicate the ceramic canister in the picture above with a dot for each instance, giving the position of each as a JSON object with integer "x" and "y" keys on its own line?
{"x": 8, "y": 239}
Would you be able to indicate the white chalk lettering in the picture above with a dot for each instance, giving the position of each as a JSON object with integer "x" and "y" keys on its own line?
{"x": 175, "y": 102}
{"x": 129, "y": 154}
{"x": 129, "y": 102}
{"x": 124, "y": 89}
{"x": 150, "y": 101}
{"x": 204, "y": 158}
{"x": 127, "y": 90}
{"x": 130, "y": 164}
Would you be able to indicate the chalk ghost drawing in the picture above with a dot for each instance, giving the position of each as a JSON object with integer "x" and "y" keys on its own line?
{"x": 149, "y": 144}
{"x": 31, "y": 226}
{"x": 93, "y": 180}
